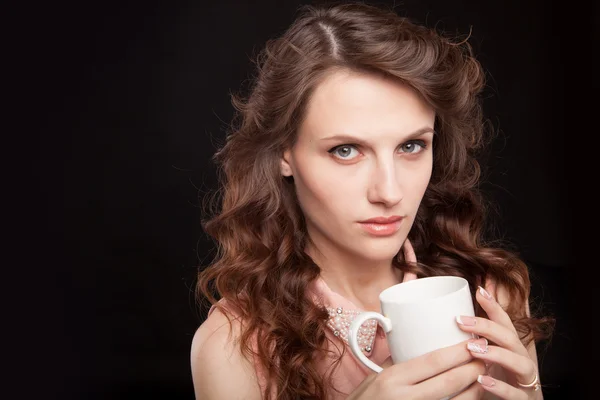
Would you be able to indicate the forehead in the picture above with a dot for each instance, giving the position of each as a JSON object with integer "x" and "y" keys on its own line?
{"x": 351, "y": 102}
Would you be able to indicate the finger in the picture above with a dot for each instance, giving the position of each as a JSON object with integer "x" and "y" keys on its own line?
{"x": 409, "y": 256}
{"x": 501, "y": 389}
{"x": 493, "y": 331}
{"x": 450, "y": 382}
{"x": 523, "y": 367}
{"x": 409, "y": 276}
{"x": 493, "y": 309}
{"x": 409, "y": 251}
{"x": 420, "y": 368}
{"x": 475, "y": 391}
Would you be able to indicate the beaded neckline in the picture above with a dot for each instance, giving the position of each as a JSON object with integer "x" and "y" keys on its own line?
{"x": 340, "y": 320}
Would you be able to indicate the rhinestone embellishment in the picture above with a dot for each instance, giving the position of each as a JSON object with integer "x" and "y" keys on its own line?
{"x": 340, "y": 321}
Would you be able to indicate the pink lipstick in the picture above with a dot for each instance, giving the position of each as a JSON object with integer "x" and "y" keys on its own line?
{"x": 382, "y": 226}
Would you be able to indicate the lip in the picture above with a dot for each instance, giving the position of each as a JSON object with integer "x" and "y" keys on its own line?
{"x": 382, "y": 226}
{"x": 382, "y": 220}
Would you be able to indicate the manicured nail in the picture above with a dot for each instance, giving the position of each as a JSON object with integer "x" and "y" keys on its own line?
{"x": 465, "y": 320}
{"x": 486, "y": 380}
{"x": 478, "y": 346}
{"x": 485, "y": 293}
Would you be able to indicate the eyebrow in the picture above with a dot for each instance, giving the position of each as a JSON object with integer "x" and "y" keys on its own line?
{"x": 350, "y": 138}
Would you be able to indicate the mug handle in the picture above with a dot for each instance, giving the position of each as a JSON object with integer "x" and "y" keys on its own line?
{"x": 353, "y": 336}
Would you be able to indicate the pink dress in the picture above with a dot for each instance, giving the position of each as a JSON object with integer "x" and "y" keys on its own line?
{"x": 350, "y": 372}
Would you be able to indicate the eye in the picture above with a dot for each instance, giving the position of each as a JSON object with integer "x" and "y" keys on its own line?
{"x": 413, "y": 147}
{"x": 344, "y": 152}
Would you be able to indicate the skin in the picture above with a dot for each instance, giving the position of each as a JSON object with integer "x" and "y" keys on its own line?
{"x": 382, "y": 171}
{"x": 513, "y": 362}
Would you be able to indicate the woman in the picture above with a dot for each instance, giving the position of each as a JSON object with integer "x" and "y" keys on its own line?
{"x": 350, "y": 168}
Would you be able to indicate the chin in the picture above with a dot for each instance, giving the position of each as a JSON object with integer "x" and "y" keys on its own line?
{"x": 381, "y": 250}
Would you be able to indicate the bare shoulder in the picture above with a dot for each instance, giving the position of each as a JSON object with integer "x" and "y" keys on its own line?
{"x": 216, "y": 361}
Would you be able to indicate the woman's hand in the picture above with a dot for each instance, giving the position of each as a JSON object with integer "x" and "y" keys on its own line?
{"x": 508, "y": 351}
{"x": 436, "y": 375}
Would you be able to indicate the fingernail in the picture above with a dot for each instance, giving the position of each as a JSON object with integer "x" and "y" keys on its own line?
{"x": 465, "y": 320}
{"x": 478, "y": 345}
{"x": 486, "y": 380}
{"x": 485, "y": 293}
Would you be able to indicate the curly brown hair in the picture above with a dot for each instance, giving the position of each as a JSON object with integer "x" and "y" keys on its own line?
{"x": 261, "y": 268}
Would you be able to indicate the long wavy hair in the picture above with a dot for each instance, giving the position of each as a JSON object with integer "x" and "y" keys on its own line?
{"x": 261, "y": 267}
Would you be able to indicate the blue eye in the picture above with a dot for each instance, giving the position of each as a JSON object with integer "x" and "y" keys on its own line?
{"x": 350, "y": 151}
{"x": 344, "y": 152}
{"x": 413, "y": 147}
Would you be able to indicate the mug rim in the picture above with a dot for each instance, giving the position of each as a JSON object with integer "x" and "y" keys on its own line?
{"x": 444, "y": 277}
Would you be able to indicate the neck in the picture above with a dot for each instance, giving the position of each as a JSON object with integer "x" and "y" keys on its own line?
{"x": 359, "y": 280}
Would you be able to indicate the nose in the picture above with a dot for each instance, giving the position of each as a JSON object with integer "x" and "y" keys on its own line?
{"x": 384, "y": 187}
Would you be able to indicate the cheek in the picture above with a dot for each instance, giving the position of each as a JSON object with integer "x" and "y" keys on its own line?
{"x": 423, "y": 178}
{"x": 421, "y": 171}
{"x": 326, "y": 190}
{"x": 416, "y": 182}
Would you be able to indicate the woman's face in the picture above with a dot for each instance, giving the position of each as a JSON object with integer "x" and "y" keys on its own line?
{"x": 363, "y": 151}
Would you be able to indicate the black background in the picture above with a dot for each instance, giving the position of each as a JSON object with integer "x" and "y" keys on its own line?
{"x": 122, "y": 105}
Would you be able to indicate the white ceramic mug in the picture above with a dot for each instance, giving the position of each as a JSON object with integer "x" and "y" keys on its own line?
{"x": 419, "y": 316}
